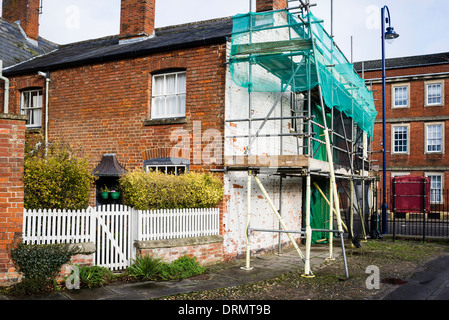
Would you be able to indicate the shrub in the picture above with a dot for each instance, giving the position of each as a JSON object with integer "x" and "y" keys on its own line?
{"x": 155, "y": 190}
{"x": 149, "y": 268}
{"x": 56, "y": 179}
{"x": 94, "y": 276}
{"x": 39, "y": 264}
{"x": 144, "y": 267}
{"x": 181, "y": 268}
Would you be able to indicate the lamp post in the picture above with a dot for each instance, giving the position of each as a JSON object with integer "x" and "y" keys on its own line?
{"x": 387, "y": 35}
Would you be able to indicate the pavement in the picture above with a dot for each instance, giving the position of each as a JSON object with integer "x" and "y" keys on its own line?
{"x": 430, "y": 284}
{"x": 225, "y": 275}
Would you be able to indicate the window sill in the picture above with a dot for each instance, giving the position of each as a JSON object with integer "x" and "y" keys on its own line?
{"x": 34, "y": 129}
{"x": 167, "y": 121}
{"x": 400, "y": 107}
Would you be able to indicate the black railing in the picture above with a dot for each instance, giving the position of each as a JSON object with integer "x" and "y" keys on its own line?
{"x": 433, "y": 223}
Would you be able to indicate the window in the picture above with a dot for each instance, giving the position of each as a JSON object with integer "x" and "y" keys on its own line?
{"x": 436, "y": 187}
{"x": 400, "y": 139}
{"x": 401, "y": 95}
{"x": 434, "y": 138}
{"x": 167, "y": 165}
{"x": 31, "y": 105}
{"x": 169, "y": 95}
{"x": 434, "y": 94}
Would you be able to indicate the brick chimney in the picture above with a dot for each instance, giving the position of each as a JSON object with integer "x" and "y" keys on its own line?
{"x": 268, "y": 5}
{"x": 26, "y": 12}
{"x": 137, "y": 19}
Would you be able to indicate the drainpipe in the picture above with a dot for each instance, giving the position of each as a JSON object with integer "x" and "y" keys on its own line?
{"x": 47, "y": 85}
{"x": 6, "y": 99}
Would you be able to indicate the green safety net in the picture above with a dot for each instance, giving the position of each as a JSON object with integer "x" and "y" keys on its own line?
{"x": 319, "y": 212}
{"x": 276, "y": 51}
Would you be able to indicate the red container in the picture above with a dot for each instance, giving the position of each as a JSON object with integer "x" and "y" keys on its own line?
{"x": 409, "y": 194}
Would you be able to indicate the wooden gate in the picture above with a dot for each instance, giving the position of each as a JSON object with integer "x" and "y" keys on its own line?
{"x": 114, "y": 236}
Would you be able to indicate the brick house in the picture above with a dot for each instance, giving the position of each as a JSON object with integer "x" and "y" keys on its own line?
{"x": 166, "y": 99}
{"x": 417, "y": 117}
{"x": 149, "y": 98}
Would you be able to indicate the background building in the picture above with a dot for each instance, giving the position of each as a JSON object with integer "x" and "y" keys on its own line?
{"x": 417, "y": 117}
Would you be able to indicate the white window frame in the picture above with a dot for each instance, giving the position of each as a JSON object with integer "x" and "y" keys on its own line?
{"x": 178, "y": 93}
{"x": 426, "y": 95}
{"x": 433, "y": 200}
{"x": 393, "y": 95}
{"x": 426, "y": 138}
{"x": 393, "y": 127}
{"x": 177, "y": 168}
{"x": 33, "y": 109}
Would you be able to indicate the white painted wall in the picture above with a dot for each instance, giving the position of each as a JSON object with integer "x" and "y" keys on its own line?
{"x": 235, "y": 183}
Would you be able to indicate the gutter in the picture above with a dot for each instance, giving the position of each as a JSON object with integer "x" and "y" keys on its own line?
{"x": 6, "y": 98}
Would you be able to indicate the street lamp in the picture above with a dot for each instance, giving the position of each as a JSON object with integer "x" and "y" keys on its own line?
{"x": 387, "y": 35}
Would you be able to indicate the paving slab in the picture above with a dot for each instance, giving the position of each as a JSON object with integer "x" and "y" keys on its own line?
{"x": 225, "y": 275}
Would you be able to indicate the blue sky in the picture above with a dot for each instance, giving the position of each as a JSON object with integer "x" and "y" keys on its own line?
{"x": 421, "y": 24}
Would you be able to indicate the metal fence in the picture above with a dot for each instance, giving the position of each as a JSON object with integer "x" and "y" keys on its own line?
{"x": 431, "y": 224}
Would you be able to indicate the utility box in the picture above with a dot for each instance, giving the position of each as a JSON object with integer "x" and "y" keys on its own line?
{"x": 410, "y": 194}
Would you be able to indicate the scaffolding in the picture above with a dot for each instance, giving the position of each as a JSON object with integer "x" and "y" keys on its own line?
{"x": 331, "y": 121}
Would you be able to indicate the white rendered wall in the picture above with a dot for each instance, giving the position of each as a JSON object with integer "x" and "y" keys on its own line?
{"x": 235, "y": 183}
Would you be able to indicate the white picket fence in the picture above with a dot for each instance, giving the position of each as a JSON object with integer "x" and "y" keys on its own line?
{"x": 115, "y": 228}
{"x": 176, "y": 224}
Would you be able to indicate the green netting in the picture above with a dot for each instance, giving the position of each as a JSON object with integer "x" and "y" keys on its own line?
{"x": 276, "y": 51}
{"x": 318, "y": 149}
{"x": 319, "y": 212}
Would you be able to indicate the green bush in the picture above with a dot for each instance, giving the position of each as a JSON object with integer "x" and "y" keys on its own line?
{"x": 155, "y": 190}
{"x": 39, "y": 265}
{"x": 144, "y": 267}
{"x": 149, "y": 268}
{"x": 58, "y": 178}
{"x": 181, "y": 268}
{"x": 94, "y": 276}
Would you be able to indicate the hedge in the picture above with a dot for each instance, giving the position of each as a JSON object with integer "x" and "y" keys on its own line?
{"x": 57, "y": 178}
{"x": 155, "y": 190}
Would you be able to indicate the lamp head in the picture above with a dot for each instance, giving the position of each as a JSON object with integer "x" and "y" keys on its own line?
{"x": 390, "y": 35}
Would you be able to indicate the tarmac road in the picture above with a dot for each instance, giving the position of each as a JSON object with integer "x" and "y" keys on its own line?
{"x": 430, "y": 284}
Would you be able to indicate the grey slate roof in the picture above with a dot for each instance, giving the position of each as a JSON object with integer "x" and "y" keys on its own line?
{"x": 108, "y": 48}
{"x": 404, "y": 62}
{"x": 15, "y": 48}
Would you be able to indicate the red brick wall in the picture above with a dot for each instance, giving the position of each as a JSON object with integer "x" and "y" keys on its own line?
{"x": 12, "y": 145}
{"x": 267, "y": 5}
{"x": 103, "y": 107}
{"x": 417, "y": 157}
{"x": 206, "y": 254}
